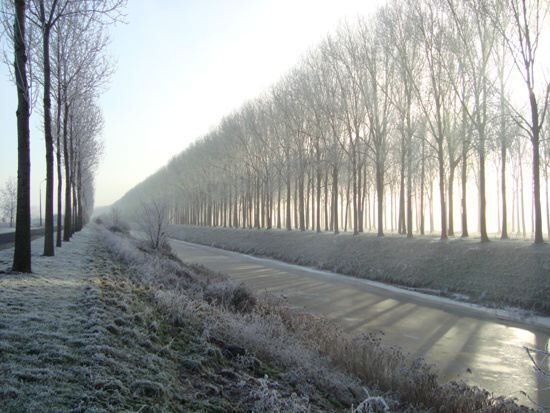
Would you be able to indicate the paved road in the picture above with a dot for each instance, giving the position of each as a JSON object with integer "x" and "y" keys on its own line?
{"x": 461, "y": 343}
{"x": 7, "y": 237}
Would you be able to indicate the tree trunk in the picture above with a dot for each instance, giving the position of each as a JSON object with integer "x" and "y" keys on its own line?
{"x": 48, "y": 226}
{"x": 301, "y": 210}
{"x": 346, "y": 214}
{"x": 288, "y": 199}
{"x": 79, "y": 221}
{"x": 422, "y": 183}
{"x": 296, "y": 219}
{"x": 307, "y": 201}
{"x": 401, "y": 226}
{"x": 391, "y": 209}
{"x": 450, "y": 194}
{"x": 58, "y": 152}
{"x": 482, "y": 193}
{"x": 359, "y": 210}
{"x": 464, "y": 208}
{"x": 547, "y": 204}
{"x": 354, "y": 189}
{"x": 504, "y": 227}
{"x": 257, "y": 203}
{"x": 326, "y": 200}
{"x": 335, "y": 199}
{"x": 68, "y": 177}
{"x": 380, "y": 199}
{"x": 22, "y": 251}
{"x": 442, "y": 191}
{"x": 279, "y": 201}
{"x": 362, "y": 200}
{"x": 268, "y": 203}
{"x": 536, "y": 192}
{"x": 535, "y": 141}
{"x": 432, "y": 229}
{"x": 318, "y": 204}
{"x": 409, "y": 198}
{"x": 524, "y": 231}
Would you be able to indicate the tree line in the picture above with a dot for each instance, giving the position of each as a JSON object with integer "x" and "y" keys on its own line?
{"x": 421, "y": 94}
{"x": 59, "y": 49}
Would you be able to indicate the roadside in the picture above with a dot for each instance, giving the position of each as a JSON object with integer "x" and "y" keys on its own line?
{"x": 82, "y": 333}
{"x": 85, "y": 332}
{"x": 502, "y": 274}
{"x": 7, "y": 237}
{"x": 109, "y": 325}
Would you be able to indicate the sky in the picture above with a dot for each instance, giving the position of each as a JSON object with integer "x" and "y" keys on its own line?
{"x": 181, "y": 66}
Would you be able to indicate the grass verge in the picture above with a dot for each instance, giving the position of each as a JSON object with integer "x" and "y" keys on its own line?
{"x": 497, "y": 274}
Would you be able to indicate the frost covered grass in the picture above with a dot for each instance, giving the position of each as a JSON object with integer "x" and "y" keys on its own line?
{"x": 231, "y": 319}
{"x": 76, "y": 336}
{"x": 501, "y": 273}
{"x": 309, "y": 353}
{"x": 112, "y": 325}
{"x": 44, "y": 340}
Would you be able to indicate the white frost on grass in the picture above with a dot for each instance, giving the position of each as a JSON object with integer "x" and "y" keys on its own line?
{"x": 42, "y": 333}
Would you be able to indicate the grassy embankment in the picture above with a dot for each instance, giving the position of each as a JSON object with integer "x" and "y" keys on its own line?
{"x": 110, "y": 325}
{"x": 498, "y": 274}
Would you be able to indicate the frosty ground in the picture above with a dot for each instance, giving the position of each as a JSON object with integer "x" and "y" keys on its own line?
{"x": 108, "y": 325}
{"x": 498, "y": 274}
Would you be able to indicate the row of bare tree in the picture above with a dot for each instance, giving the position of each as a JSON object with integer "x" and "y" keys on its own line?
{"x": 422, "y": 92}
{"x": 59, "y": 50}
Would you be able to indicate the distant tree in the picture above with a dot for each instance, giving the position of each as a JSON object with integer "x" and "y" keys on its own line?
{"x": 154, "y": 222}
{"x": 521, "y": 26}
{"x": 8, "y": 200}
{"x": 368, "y": 125}
{"x": 475, "y": 40}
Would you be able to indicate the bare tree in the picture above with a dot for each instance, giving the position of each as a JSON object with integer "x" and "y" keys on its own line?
{"x": 8, "y": 200}
{"x": 22, "y": 251}
{"x": 431, "y": 29}
{"x": 368, "y": 123}
{"x": 476, "y": 39}
{"x": 154, "y": 223}
{"x": 46, "y": 15}
{"x": 525, "y": 21}
{"x": 379, "y": 73}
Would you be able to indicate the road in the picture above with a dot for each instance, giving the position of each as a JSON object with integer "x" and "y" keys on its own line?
{"x": 7, "y": 236}
{"x": 461, "y": 343}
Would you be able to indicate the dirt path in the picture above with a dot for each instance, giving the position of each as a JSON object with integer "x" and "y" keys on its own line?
{"x": 460, "y": 343}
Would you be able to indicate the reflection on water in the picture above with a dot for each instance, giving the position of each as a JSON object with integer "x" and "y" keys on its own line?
{"x": 479, "y": 351}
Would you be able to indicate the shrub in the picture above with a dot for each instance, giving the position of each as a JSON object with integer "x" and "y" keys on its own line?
{"x": 230, "y": 295}
{"x": 117, "y": 224}
{"x": 267, "y": 399}
{"x": 154, "y": 222}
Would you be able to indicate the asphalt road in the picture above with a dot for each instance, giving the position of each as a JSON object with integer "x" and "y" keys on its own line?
{"x": 460, "y": 342}
{"x": 7, "y": 238}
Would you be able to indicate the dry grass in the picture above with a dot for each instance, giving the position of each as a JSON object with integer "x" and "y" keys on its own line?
{"x": 312, "y": 352}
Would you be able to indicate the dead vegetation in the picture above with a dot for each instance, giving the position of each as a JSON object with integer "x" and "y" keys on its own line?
{"x": 309, "y": 353}
{"x": 111, "y": 325}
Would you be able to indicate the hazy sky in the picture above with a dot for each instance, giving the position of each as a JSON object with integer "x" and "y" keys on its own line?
{"x": 182, "y": 65}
